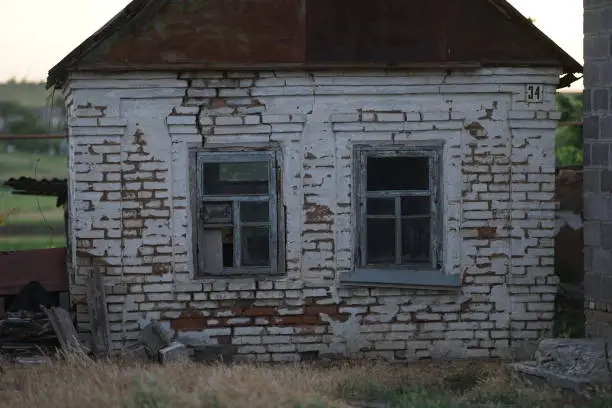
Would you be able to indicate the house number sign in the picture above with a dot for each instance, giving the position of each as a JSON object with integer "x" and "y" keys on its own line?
{"x": 534, "y": 93}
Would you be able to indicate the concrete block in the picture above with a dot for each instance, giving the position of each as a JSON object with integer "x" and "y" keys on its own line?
{"x": 175, "y": 352}
{"x": 155, "y": 337}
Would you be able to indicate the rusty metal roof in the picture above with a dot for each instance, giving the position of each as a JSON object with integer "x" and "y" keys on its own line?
{"x": 247, "y": 34}
{"x": 47, "y": 266}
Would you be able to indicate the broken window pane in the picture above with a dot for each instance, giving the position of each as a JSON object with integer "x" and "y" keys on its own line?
{"x": 235, "y": 178}
{"x": 212, "y": 248}
{"x": 397, "y": 173}
{"x": 381, "y": 206}
{"x": 416, "y": 206}
{"x": 217, "y": 213}
{"x": 416, "y": 240}
{"x": 254, "y": 211}
{"x": 255, "y": 246}
{"x": 381, "y": 241}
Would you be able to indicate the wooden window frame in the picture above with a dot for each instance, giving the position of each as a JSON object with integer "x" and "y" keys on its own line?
{"x": 412, "y": 276}
{"x": 276, "y": 210}
{"x": 433, "y": 154}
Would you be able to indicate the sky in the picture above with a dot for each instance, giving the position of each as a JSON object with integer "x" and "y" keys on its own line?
{"x": 36, "y": 34}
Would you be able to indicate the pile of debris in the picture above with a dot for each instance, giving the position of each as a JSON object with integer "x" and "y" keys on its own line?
{"x": 157, "y": 344}
{"x": 31, "y": 337}
{"x": 572, "y": 364}
{"x": 26, "y": 336}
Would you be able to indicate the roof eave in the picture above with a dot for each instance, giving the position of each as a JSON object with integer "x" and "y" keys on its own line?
{"x": 570, "y": 67}
{"x": 567, "y": 62}
{"x": 57, "y": 75}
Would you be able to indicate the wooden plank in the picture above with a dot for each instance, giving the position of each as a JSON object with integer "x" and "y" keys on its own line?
{"x": 212, "y": 243}
{"x": 96, "y": 302}
{"x": 64, "y": 330}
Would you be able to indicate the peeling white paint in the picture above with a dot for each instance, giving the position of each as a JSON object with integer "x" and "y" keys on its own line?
{"x": 349, "y": 331}
{"x": 568, "y": 218}
{"x": 130, "y": 206}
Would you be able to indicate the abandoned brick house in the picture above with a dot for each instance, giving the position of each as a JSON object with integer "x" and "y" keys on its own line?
{"x": 308, "y": 177}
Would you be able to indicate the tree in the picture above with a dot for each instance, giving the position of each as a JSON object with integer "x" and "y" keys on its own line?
{"x": 569, "y": 139}
{"x": 20, "y": 120}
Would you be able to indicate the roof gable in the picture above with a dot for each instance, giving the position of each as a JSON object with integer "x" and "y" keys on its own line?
{"x": 230, "y": 34}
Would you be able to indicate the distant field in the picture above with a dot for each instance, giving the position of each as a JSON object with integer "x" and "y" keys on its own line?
{"x": 36, "y": 221}
{"x": 32, "y": 165}
{"x": 32, "y": 95}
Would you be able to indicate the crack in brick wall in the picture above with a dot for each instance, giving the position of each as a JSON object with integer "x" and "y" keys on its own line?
{"x": 130, "y": 208}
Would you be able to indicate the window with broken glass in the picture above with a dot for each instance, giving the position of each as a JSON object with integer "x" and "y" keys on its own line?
{"x": 399, "y": 208}
{"x": 237, "y": 207}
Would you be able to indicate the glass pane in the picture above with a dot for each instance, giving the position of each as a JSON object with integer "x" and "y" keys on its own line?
{"x": 398, "y": 173}
{"x": 416, "y": 206}
{"x": 217, "y": 213}
{"x": 254, "y": 212}
{"x": 228, "y": 247}
{"x": 381, "y": 206}
{"x": 381, "y": 241}
{"x": 236, "y": 178}
{"x": 255, "y": 246}
{"x": 416, "y": 241}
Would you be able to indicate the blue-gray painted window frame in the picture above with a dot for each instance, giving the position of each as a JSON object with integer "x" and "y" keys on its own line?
{"x": 269, "y": 156}
{"x": 431, "y": 275}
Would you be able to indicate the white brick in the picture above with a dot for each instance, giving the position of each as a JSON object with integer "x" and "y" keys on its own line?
{"x": 266, "y": 118}
{"x": 237, "y": 130}
{"x": 228, "y": 120}
{"x": 405, "y": 104}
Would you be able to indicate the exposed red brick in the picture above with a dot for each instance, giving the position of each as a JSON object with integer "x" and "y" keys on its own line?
{"x": 316, "y": 213}
{"x": 189, "y": 320}
{"x": 238, "y": 307}
{"x": 223, "y": 339}
{"x": 159, "y": 269}
{"x": 487, "y": 232}
{"x": 297, "y": 320}
{"x": 218, "y": 102}
{"x": 259, "y": 312}
{"x": 317, "y": 309}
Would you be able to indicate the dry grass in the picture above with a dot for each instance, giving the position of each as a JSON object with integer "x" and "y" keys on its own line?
{"x": 423, "y": 385}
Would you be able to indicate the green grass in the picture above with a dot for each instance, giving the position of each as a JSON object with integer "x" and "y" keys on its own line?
{"x": 28, "y": 242}
{"x": 25, "y": 203}
{"x": 29, "y": 227}
{"x": 480, "y": 391}
{"x": 35, "y": 222}
{"x": 32, "y": 165}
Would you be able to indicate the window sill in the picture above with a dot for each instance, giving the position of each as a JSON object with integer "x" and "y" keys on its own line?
{"x": 423, "y": 279}
{"x": 241, "y": 273}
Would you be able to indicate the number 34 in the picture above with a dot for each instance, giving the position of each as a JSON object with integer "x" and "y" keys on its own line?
{"x": 534, "y": 92}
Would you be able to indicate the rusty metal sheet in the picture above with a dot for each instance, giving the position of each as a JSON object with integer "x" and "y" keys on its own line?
{"x": 228, "y": 34}
{"x": 47, "y": 266}
{"x": 396, "y": 32}
{"x": 210, "y": 31}
{"x": 388, "y": 31}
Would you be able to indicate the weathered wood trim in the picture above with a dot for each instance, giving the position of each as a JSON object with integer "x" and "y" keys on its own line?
{"x": 220, "y": 154}
{"x": 399, "y": 274}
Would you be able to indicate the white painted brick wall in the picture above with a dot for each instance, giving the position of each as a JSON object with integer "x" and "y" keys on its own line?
{"x": 129, "y": 207}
